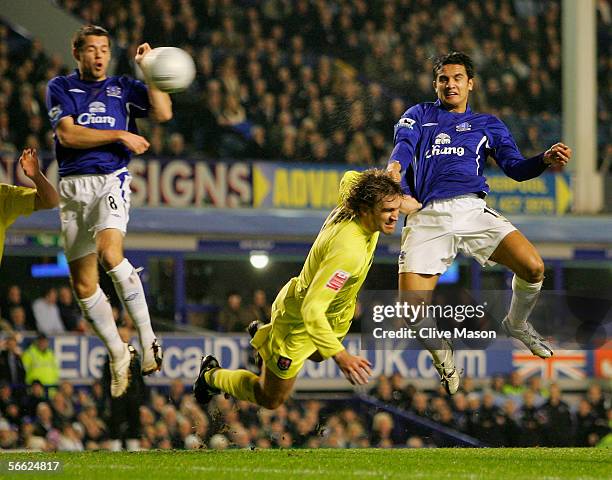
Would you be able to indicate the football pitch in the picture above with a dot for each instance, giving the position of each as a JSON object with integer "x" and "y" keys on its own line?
{"x": 323, "y": 464}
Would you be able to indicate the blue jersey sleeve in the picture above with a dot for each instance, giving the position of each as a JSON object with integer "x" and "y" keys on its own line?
{"x": 406, "y": 136}
{"x": 137, "y": 98}
{"x": 508, "y": 157}
{"x": 407, "y": 132}
{"x": 58, "y": 102}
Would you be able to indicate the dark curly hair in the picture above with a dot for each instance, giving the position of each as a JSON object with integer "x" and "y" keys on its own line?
{"x": 370, "y": 189}
{"x": 453, "y": 58}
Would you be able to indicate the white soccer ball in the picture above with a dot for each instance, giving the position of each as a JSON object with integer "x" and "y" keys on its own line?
{"x": 170, "y": 69}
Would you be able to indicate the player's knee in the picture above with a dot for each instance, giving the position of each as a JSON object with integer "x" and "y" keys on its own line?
{"x": 84, "y": 288}
{"x": 110, "y": 257}
{"x": 274, "y": 402}
{"x": 271, "y": 402}
{"x": 534, "y": 270}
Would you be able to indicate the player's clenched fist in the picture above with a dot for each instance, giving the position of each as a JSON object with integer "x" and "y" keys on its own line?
{"x": 558, "y": 155}
{"x": 356, "y": 369}
{"x": 409, "y": 205}
{"x": 135, "y": 143}
{"x": 29, "y": 162}
{"x": 394, "y": 170}
{"x": 141, "y": 52}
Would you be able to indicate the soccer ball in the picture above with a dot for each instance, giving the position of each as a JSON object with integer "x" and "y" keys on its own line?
{"x": 170, "y": 69}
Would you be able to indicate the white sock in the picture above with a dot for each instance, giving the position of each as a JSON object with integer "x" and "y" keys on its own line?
{"x": 524, "y": 297}
{"x": 442, "y": 357}
{"x": 129, "y": 288}
{"x": 98, "y": 311}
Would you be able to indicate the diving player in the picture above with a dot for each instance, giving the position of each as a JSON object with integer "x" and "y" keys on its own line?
{"x": 441, "y": 148}
{"x": 16, "y": 201}
{"x": 313, "y": 311}
{"x": 93, "y": 116}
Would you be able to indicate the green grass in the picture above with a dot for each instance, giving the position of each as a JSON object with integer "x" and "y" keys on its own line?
{"x": 323, "y": 464}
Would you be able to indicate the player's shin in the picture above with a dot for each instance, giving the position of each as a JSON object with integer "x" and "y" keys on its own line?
{"x": 439, "y": 348}
{"x": 524, "y": 297}
{"x": 129, "y": 288}
{"x": 240, "y": 384}
{"x": 97, "y": 310}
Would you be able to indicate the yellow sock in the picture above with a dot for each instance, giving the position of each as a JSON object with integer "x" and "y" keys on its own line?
{"x": 240, "y": 384}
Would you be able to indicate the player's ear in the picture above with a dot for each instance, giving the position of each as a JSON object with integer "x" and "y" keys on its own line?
{"x": 470, "y": 84}
{"x": 76, "y": 55}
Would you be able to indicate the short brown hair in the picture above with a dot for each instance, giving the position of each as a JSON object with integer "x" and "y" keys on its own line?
{"x": 370, "y": 189}
{"x": 78, "y": 39}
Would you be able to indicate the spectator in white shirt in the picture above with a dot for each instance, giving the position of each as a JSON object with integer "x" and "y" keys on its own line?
{"x": 47, "y": 313}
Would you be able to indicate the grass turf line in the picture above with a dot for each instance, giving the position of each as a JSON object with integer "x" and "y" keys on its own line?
{"x": 519, "y": 463}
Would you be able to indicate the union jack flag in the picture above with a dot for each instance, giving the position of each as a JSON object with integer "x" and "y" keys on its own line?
{"x": 564, "y": 363}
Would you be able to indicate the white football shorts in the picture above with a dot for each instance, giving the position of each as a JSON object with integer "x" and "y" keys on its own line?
{"x": 432, "y": 237}
{"x": 89, "y": 204}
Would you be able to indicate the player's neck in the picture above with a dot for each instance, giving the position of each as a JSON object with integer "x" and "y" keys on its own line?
{"x": 84, "y": 76}
{"x": 455, "y": 108}
{"x": 366, "y": 224}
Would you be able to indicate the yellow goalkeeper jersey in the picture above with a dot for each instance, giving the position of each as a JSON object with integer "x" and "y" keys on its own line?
{"x": 14, "y": 201}
{"x": 324, "y": 295}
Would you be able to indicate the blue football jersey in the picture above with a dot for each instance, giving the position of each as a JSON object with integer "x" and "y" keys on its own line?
{"x": 443, "y": 153}
{"x": 111, "y": 104}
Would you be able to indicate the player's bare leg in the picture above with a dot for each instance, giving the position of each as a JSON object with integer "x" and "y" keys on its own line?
{"x": 266, "y": 390}
{"x": 109, "y": 243}
{"x": 271, "y": 391}
{"x": 519, "y": 255}
{"x": 416, "y": 288}
{"x": 97, "y": 310}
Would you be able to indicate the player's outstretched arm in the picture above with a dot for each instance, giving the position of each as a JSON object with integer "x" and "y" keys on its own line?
{"x": 409, "y": 204}
{"x": 558, "y": 155}
{"x": 71, "y": 135}
{"x": 161, "y": 103}
{"x": 46, "y": 195}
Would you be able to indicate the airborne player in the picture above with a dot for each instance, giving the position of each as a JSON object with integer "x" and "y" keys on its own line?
{"x": 439, "y": 157}
{"x": 93, "y": 116}
{"x": 313, "y": 312}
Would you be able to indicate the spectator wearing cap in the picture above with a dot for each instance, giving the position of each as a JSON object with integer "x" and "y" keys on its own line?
{"x": 40, "y": 362}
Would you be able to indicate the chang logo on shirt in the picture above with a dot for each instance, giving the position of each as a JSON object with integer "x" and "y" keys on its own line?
{"x": 91, "y": 117}
{"x": 442, "y": 139}
{"x": 436, "y": 149}
{"x": 97, "y": 107}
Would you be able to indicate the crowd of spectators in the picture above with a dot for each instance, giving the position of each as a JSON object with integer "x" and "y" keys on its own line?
{"x": 57, "y": 312}
{"x": 320, "y": 81}
{"x": 60, "y": 416}
{"x": 54, "y": 312}
{"x": 510, "y": 412}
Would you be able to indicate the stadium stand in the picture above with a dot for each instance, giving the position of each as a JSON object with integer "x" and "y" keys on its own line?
{"x": 320, "y": 82}
{"x": 312, "y": 82}
{"x": 66, "y": 418}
